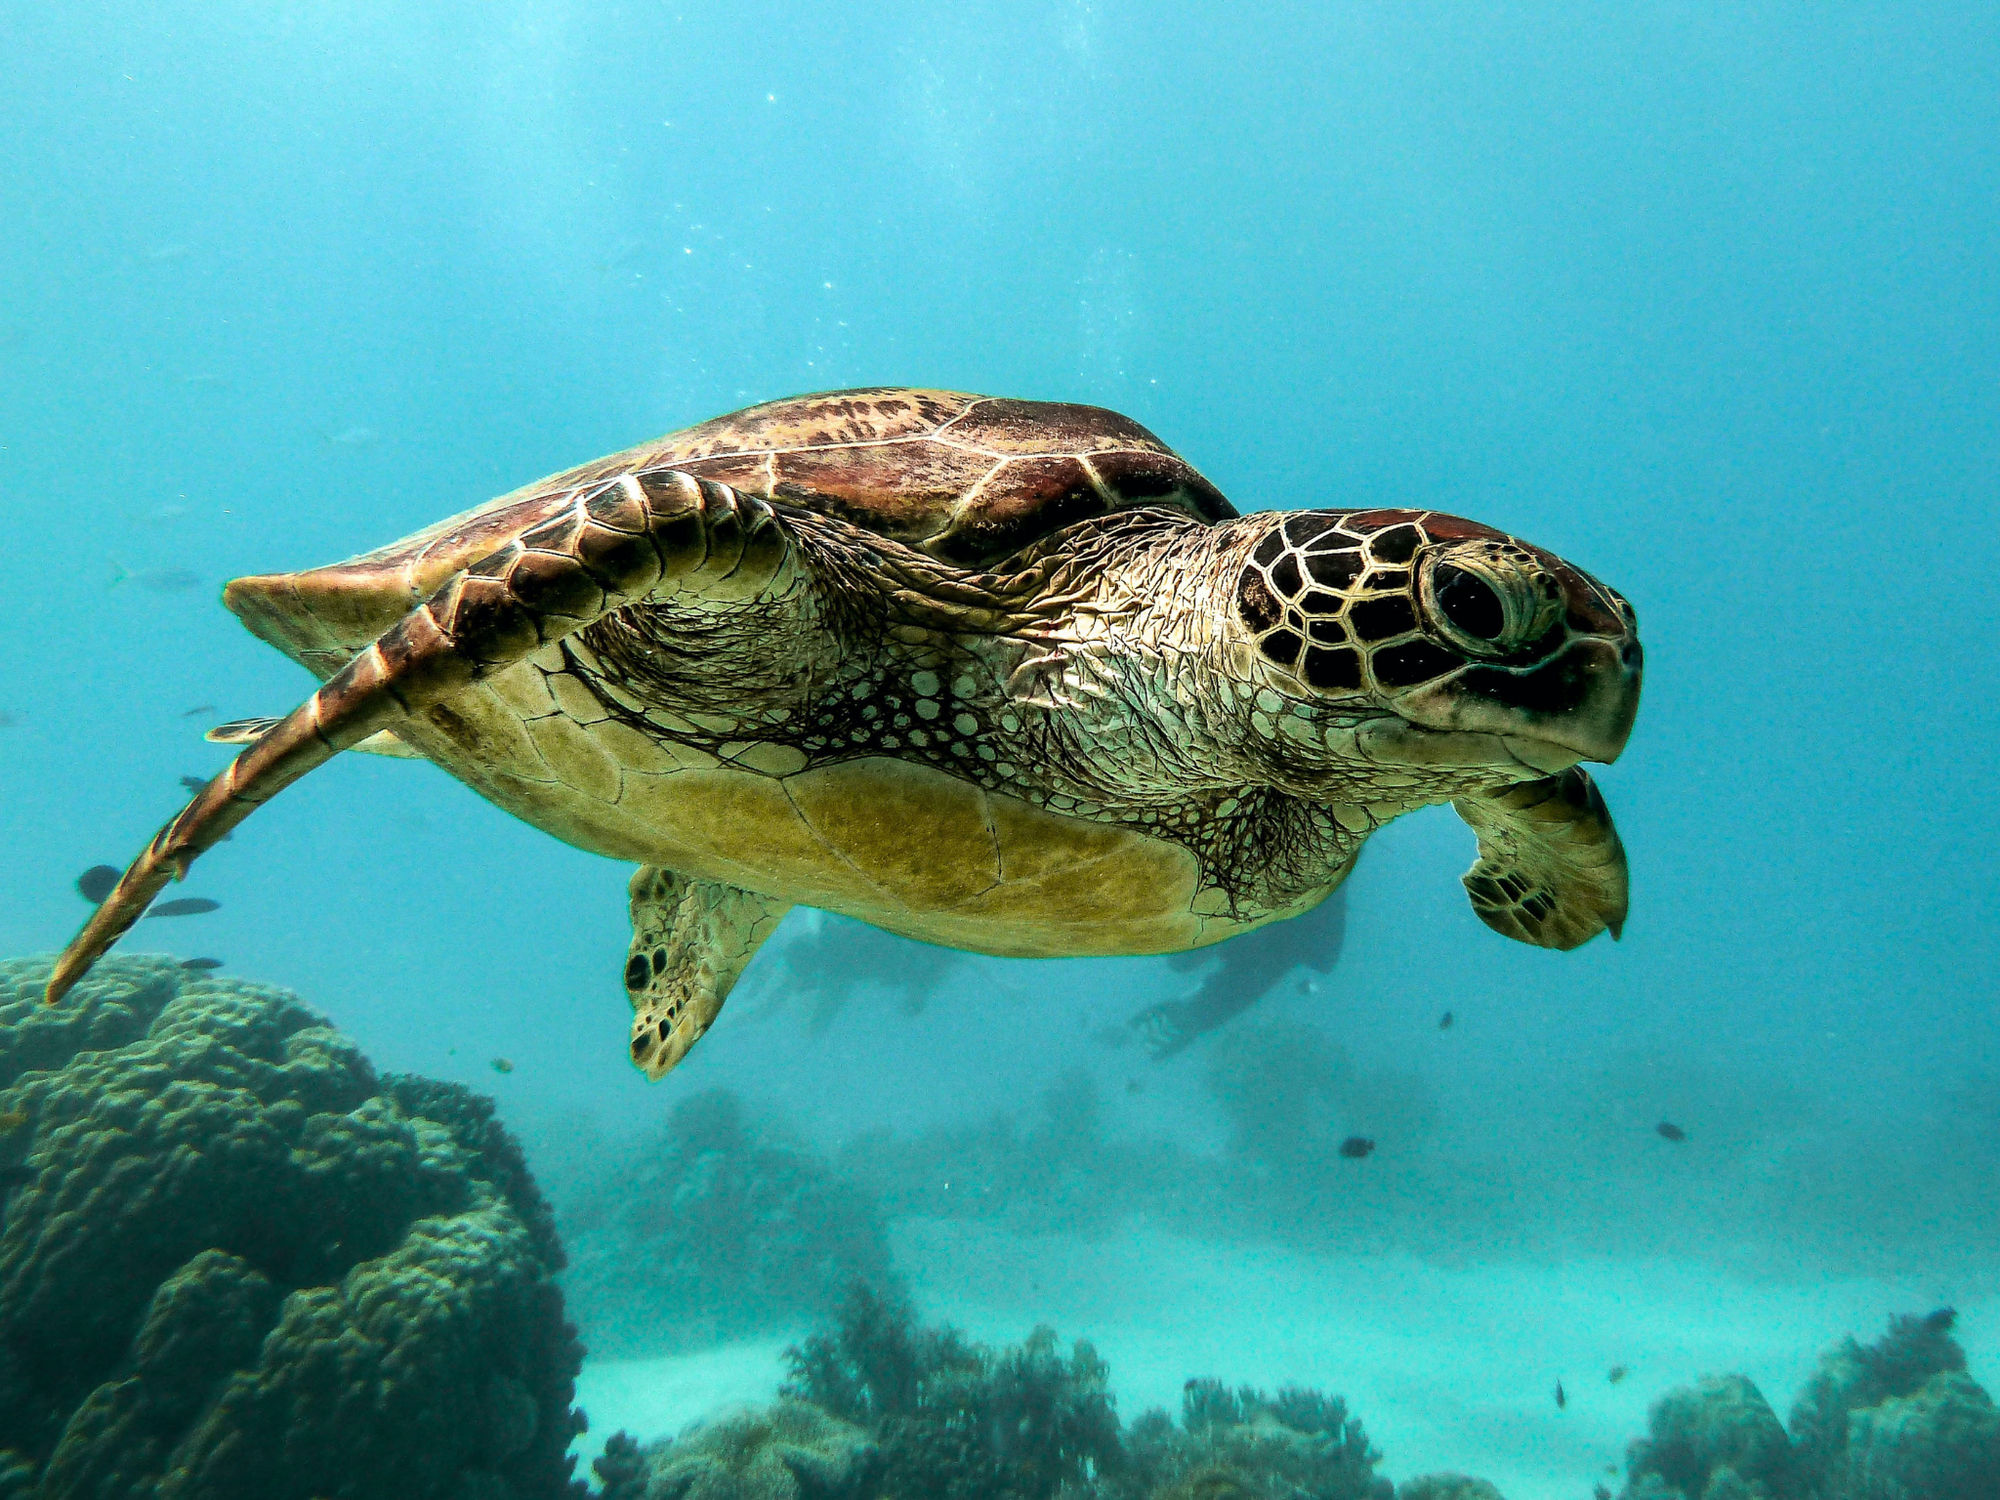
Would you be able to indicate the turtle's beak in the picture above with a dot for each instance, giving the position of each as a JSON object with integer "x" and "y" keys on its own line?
{"x": 1577, "y": 704}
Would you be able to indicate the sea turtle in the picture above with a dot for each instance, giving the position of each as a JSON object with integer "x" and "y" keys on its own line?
{"x": 1003, "y": 675}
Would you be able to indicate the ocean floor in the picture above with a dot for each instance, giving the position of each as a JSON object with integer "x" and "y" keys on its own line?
{"x": 1448, "y": 1368}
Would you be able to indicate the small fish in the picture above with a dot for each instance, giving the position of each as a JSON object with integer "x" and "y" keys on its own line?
{"x": 195, "y": 785}
{"x": 198, "y": 709}
{"x": 174, "y": 251}
{"x": 351, "y": 437}
{"x": 1941, "y": 1320}
{"x": 501, "y": 1065}
{"x": 1616, "y": 1373}
{"x": 1600, "y": 1491}
{"x": 1135, "y": 1085}
{"x": 169, "y": 512}
{"x": 1670, "y": 1131}
{"x": 1444, "y": 1021}
{"x": 1562, "y": 1397}
{"x": 201, "y": 965}
{"x": 187, "y": 906}
{"x": 1356, "y": 1146}
{"x": 95, "y": 883}
{"x": 159, "y": 580}
{"x": 12, "y": 1120}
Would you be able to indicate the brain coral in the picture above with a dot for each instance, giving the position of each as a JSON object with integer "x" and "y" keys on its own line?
{"x": 1853, "y": 1377}
{"x": 1716, "y": 1441}
{"x": 1941, "y": 1440}
{"x": 235, "y": 1262}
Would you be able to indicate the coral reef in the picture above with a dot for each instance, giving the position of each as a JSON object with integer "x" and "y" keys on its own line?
{"x": 733, "y": 1229}
{"x": 1446, "y": 1487}
{"x": 236, "y": 1263}
{"x": 1296, "y": 1445}
{"x": 955, "y": 1420}
{"x": 1899, "y": 1419}
{"x": 883, "y": 1408}
{"x": 1943, "y": 1439}
{"x": 1719, "y": 1439}
{"x": 788, "y": 1451}
{"x": 1853, "y": 1377}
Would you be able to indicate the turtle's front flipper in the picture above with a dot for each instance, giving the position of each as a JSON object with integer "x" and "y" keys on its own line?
{"x": 658, "y": 536}
{"x": 1551, "y": 870}
{"x": 691, "y": 940}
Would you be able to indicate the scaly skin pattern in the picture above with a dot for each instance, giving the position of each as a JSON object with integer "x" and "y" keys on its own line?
{"x": 1108, "y": 679}
{"x": 998, "y": 675}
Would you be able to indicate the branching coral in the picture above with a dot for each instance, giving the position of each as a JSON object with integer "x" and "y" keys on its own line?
{"x": 733, "y": 1228}
{"x": 1296, "y": 1445}
{"x": 235, "y": 1263}
{"x": 1446, "y": 1487}
{"x": 955, "y": 1420}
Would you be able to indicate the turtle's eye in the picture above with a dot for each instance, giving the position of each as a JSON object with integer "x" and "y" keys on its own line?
{"x": 1488, "y": 599}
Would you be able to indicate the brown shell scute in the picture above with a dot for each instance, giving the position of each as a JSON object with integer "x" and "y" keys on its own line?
{"x": 968, "y": 479}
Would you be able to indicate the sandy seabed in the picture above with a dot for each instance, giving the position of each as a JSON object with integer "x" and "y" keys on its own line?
{"x": 1447, "y": 1367}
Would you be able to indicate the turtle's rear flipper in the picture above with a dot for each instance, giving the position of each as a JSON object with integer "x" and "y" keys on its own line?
{"x": 1551, "y": 870}
{"x": 659, "y": 536}
{"x": 249, "y": 731}
{"x": 691, "y": 940}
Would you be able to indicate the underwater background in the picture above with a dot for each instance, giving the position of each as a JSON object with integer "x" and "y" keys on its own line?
{"x": 1705, "y": 298}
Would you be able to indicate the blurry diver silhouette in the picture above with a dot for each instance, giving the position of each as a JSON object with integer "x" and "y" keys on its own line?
{"x": 1251, "y": 967}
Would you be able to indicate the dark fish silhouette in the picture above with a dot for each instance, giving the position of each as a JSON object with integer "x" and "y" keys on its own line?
{"x": 201, "y": 965}
{"x": 199, "y": 708}
{"x": 187, "y": 906}
{"x": 1671, "y": 1131}
{"x": 1941, "y": 1320}
{"x": 1444, "y": 1021}
{"x": 1562, "y": 1399}
{"x": 1600, "y": 1491}
{"x": 1356, "y": 1146}
{"x": 160, "y": 580}
{"x": 96, "y": 883}
{"x": 1615, "y": 1374}
{"x": 501, "y": 1065}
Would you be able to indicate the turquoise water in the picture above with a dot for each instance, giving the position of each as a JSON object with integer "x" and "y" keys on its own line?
{"x": 1702, "y": 298}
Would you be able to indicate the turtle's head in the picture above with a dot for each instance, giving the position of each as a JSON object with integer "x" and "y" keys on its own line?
{"x": 1441, "y": 641}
